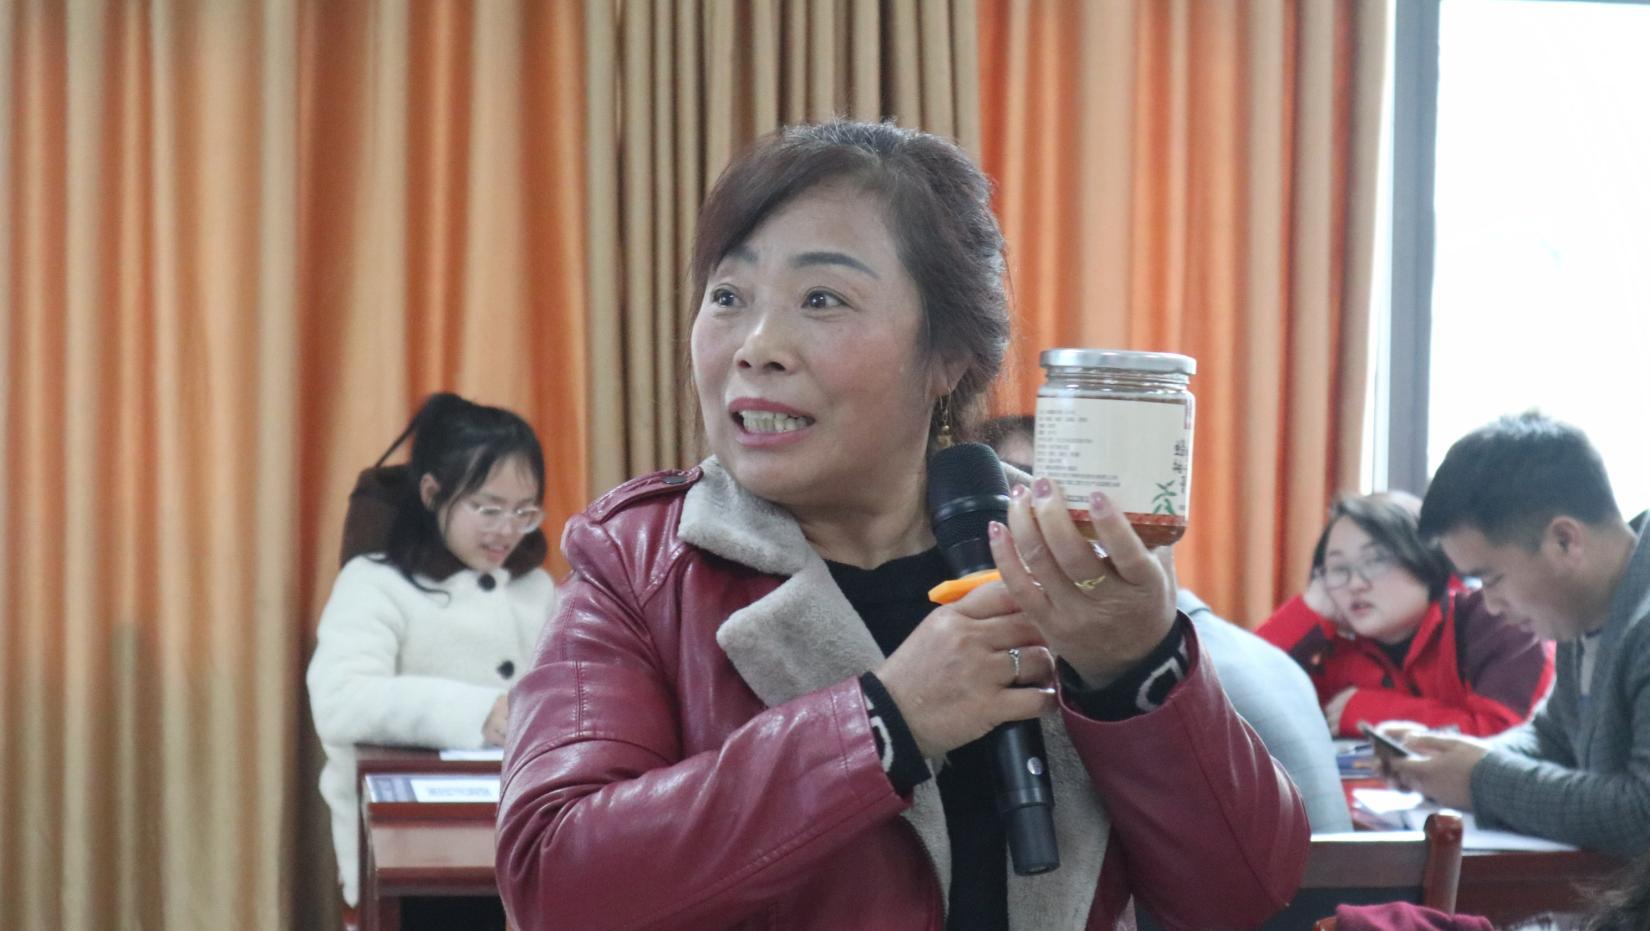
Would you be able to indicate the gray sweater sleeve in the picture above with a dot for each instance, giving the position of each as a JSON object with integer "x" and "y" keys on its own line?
{"x": 1583, "y": 783}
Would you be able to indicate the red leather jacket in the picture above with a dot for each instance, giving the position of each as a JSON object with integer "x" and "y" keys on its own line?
{"x": 647, "y": 785}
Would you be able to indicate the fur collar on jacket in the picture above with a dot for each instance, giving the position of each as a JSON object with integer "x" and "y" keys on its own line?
{"x": 805, "y": 636}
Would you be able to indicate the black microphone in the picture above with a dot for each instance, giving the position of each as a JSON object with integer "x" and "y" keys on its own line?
{"x": 966, "y": 492}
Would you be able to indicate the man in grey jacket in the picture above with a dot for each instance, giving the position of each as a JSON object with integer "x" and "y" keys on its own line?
{"x": 1525, "y": 506}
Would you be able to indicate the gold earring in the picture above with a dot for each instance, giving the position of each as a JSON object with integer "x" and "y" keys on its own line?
{"x": 945, "y": 438}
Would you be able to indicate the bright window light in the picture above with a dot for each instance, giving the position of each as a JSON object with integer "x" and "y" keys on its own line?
{"x": 1541, "y": 288}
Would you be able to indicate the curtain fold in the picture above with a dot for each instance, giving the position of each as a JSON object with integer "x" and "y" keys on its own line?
{"x": 238, "y": 243}
{"x": 674, "y": 91}
{"x": 1199, "y": 176}
{"x": 148, "y": 711}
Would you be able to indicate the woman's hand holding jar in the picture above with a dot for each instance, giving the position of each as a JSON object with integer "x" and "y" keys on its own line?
{"x": 1102, "y": 614}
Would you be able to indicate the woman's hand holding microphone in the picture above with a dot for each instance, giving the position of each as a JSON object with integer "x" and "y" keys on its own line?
{"x": 968, "y": 665}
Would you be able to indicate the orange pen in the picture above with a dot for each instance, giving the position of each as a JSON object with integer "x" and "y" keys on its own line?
{"x": 947, "y": 592}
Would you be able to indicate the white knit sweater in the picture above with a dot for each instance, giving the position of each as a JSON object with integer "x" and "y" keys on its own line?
{"x": 395, "y": 665}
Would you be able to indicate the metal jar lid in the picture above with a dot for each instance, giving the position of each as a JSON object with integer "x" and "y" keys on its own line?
{"x": 1161, "y": 362}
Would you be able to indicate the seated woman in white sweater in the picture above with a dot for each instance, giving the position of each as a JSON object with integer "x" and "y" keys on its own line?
{"x": 420, "y": 642}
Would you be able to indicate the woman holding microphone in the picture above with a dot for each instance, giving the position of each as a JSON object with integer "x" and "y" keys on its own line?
{"x": 746, "y": 714}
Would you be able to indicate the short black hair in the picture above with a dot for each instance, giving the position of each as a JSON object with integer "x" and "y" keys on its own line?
{"x": 1391, "y": 525}
{"x": 1510, "y": 478}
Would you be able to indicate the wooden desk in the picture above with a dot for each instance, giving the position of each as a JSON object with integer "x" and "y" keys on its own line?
{"x": 1508, "y": 886}
{"x": 408, "y": 855}
{"x": 425, "y": 858}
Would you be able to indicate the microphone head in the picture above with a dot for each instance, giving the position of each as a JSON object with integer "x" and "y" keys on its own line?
{"x": 966, "y": 492}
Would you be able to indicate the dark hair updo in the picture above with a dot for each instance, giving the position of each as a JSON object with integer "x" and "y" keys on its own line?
{"x": 938, "y": 208}
{"x": 458, "y": 443}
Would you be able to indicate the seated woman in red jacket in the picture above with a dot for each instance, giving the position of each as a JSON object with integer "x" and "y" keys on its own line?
{"x": 1387, "y": 633}
{"x": 738, "y": 715}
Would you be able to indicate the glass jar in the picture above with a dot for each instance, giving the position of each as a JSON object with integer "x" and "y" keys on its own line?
{"x": 1119, "y": 422}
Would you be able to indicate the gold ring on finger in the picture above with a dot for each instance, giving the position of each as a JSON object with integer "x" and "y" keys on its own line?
{"x": 1089, "y": 585}
{"x": 1014, "y": 657}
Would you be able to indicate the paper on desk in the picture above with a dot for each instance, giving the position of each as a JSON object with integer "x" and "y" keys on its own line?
{"x": 1387, "y": 801}
{"x": 1410, "y": 809}
{"x": 454, "y": 788}
{"x": 485, "y": 753}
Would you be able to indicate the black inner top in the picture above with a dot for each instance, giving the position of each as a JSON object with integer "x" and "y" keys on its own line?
{"x": 893, "y": 600}
{"x": 1396, "y": 651}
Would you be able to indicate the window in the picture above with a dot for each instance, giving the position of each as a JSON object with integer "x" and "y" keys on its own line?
{"x": 1531, "y": 288}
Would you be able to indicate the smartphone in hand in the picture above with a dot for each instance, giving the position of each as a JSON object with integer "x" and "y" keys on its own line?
{"x": 1385, "y": 746}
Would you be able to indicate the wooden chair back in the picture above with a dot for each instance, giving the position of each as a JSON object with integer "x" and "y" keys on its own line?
{"x": 1371, "y": 867}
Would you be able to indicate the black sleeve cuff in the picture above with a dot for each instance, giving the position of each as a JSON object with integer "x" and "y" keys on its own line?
{"x": 901, "y": 759}
{"x": 1143, "y": 688}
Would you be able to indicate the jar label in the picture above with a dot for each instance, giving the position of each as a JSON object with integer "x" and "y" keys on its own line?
{"x": 1138, "y": 452}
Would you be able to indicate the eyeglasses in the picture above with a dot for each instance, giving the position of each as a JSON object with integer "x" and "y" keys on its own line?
{"x": 1369, "y": 570}
{"x": 491, "y": 517}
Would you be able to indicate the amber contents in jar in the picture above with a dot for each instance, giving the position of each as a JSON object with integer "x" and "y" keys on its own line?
{"x": 1153, "y": 529}
{"x": 1120, "y": 423}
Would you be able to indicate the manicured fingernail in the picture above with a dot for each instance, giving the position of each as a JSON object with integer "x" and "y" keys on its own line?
{"x": 1042, "y": 488}
{"x": 995, "y": 530}
{"x": 1099, "y": 503}
{"x": 1017, "y": 492}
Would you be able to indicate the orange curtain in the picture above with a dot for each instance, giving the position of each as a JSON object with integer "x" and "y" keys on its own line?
{"x": 440, "y": 163}
{"x": 1198, "y": 176}
{"x": 150, "y": 626}
{"x": 238, "y": 242}
{"x": 674, "y": 91}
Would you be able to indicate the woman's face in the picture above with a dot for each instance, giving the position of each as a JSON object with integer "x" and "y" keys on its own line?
{"x": 805, "y": 353}
{"x": 483, "y": 527}
{"x": 1375, "y": 596}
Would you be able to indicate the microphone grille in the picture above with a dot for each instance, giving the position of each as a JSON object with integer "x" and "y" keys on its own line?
{"x": 966, "y": 491}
